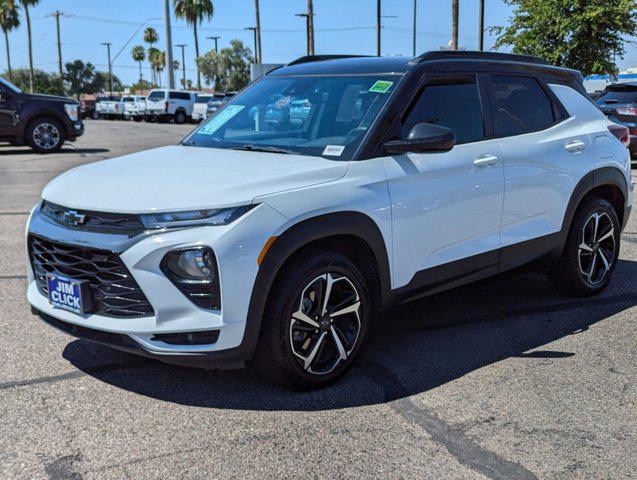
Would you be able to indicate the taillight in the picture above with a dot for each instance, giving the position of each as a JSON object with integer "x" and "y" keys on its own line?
{"x": 621, "y": 132}
{"x": 630, "y": 111}
{"x": 83, "y": 104}
{"x": 166, "y": 107}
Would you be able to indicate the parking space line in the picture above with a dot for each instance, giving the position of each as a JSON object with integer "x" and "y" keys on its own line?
{"x": 13, "y": 277}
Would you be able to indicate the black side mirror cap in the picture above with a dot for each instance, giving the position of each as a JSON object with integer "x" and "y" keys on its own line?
{"x": 423, "y": 138}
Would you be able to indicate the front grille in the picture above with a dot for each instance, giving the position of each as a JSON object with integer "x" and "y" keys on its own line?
{"x": 114, "y": 223}
{"x": 114, "y": 291}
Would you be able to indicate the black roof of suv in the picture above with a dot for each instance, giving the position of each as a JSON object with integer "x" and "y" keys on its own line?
{"x": 435, "y": 61}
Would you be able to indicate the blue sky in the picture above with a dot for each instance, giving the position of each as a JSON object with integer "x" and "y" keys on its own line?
{"x": 342, "y": 26}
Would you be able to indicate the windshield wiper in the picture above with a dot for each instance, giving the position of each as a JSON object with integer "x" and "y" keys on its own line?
{"x": 263, "y": 148}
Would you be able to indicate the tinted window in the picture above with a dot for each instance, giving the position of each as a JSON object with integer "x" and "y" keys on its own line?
{"x": 454, "y": 105}
{"x": 179, "y": 95}
{"x": 203, "y": 98}
{"x": 619, "y": 94}
{"x": 521, "y": 105}
{"x": 157, "y": 96}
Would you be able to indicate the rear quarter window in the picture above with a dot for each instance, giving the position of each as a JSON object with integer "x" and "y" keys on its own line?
{"x": 521, "y": 105}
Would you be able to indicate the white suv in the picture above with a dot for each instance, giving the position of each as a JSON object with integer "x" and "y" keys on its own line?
{"x": 166, "y": 105}
{"x": 287, "y": 223}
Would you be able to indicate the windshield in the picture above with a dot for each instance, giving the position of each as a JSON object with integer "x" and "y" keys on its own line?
{"x": 307, "y": 115}
{"x": 10, "y": 85}
{"x": 618, "y": 94}
{"x": 157, "y": 95}
{"x": 128, "y": 99}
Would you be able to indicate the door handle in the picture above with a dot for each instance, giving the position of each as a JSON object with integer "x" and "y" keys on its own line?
{"x": 485, "y": 160}
{"x": 575, "y": 146}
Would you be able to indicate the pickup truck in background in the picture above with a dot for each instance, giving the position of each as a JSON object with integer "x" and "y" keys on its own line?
{"x": 109, "y": 107}
{"x": 134, "y": 106}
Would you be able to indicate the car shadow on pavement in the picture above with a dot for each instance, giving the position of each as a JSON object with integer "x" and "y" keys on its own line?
{"x": 27, "y": 150}
{"x": 428, "y": 343}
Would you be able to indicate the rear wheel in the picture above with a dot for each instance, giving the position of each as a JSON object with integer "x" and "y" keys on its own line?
{"x": 591, "y": 250}
{"x": 315, "y": 322}
{"x": 180, "y": 117}
{"x": 45, "y": 135}
{"x": 95, "y": 115}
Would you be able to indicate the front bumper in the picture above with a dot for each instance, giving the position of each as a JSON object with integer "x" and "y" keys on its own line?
{"x": 74, "y": 130}
{"x": 236, "y": 247}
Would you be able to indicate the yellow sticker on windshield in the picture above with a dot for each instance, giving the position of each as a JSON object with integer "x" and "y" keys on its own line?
{"x": 381, "y": 86}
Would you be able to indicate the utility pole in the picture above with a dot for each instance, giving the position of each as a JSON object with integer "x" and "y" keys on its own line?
{"x": 254, "y": 31}
{"x": 257, "y": 32}
{"x": 454, "y": 25}
{"x": 183, "y": 61}
{"x": 110, "y": 65}
{"x": 57, "y": 14}
{"x": 215, "y": 38}
{"x": 481, "y": 27}
{"x": 307, "y": 30}
{"x": 378, "y": 28}
{"x": 310, "y": 26}
{"x": 413, "y": 48}
{"x": 169, "y": 46}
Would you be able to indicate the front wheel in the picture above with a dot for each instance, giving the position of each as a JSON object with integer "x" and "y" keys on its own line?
{"x": 45, "y": 135}
{"x": 591, "y": 250}
{"x": 315, "y": 322}
{"x": 180, "y": 117}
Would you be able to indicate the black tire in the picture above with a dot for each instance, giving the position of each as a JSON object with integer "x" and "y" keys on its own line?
{"x": 95, "y": 115}
{"x": 282, "y": 335}
{"x": 45, "y": 135}
{"x": 138, "y": 118}
{"x": 180, "y": 117}
{"x": 588, "y": 260}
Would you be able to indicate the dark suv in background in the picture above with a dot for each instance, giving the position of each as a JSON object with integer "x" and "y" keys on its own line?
{"x": 44, "y": 122}
{"x": 619, "y": 104}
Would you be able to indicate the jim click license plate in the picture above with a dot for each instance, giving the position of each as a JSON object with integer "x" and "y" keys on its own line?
{"x": 71, "y": 295}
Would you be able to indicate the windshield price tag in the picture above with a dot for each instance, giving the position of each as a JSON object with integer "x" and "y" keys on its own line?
{"x": 220, "y": 119}
{"x": 381, "y": 86}
{"x": 334, "y": 150}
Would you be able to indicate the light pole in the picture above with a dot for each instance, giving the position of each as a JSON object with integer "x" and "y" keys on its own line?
{"x": 307, "y": 30}
{"x": 169, "y": 46}
{"x": 310, "y": 26}
{"x": 454, "y": 24}
{"x": 481, "y": 27}
{"x": 414, "y": 39}
{"x": 378, "y": 28}
{"x": 183, "y": 61}
{"x": 257, "y": 32}
{"x": 57, "y": 14}
{"x": 215, "y": 38}
{"x": 110, "y": 65}
{"x": 254, "y": 31}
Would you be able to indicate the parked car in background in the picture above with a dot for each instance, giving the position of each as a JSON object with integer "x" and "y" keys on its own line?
{"x": 88, "y": 109}
{"x": 282, "y": 244}
{"x": 109, "y": 107}
{"x": 219, "y": 102}
{"x": 619, "y": 104}
{"x": 200, "y": 108}
{"x": 170, "y": 105}
{"x": 134, "y": 107}
{"x": 44, "y": 122}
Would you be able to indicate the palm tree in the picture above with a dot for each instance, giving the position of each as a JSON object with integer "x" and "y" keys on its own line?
{"x": 139, "y": 55}
{"x": 151, "y": 37}
{"x": 8, "y": 21}
{"x": 153, "y": 54}
{"x": 26, "y": 4}
{"x": 194, "y": 12}
{"x": 176, "y": 65}
{"x": 160, "y": 64}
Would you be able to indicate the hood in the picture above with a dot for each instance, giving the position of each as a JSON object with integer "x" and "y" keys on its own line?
{"x": 186, "y": 178}
{"x": 50, "y": 98}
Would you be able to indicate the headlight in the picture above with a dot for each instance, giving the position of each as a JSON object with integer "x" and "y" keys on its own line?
{"x": 71, "y": 110}
{"x": 194, "y": 218}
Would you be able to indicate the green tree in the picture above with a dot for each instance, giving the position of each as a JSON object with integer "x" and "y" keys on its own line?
{"x": 139, "y": 55}
{"x": 142, "y": 85}
{"x": 585, "y": 35}
{"x": 151, "y": 38}
{"x": 9, "y": 20}
{"x": 25, "y": 5}
{"x": 101, "y": 83}
{"x": 80, "y": 77}
{"x": 153, "y": 55}
{"x": 229, "y": 69}
{"x": 43, "y": 82}
{"x": 194, "y": 12}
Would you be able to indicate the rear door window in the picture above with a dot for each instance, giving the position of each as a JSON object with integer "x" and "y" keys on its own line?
{"x": 521, "y": 105}
{"x": 179, "y": 96}
{"x": 454, "y": 104}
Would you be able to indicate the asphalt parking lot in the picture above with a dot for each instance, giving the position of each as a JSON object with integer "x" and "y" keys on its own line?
{"x": 505, "y": 379}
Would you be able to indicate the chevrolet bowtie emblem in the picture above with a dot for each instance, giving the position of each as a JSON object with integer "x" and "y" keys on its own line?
{"x": 74, "y": 218}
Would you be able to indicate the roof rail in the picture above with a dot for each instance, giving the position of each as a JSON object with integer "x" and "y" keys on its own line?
{"x": 319, "y": 58}
{"x": 471, "y": 55}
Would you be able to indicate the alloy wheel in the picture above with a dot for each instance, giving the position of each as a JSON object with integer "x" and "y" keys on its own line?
{"x": 596, "y": 251}
{"x": 325, "y": 328}
{"x": 46, "y": 136}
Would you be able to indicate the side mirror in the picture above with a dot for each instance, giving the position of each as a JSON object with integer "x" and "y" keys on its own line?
{"x": 423, "y": 138}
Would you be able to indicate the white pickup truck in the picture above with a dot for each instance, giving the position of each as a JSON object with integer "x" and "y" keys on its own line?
{"x": 109, "y": 107}
{"x": 134, "y": 107}
{"x": 166, "y": 105}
